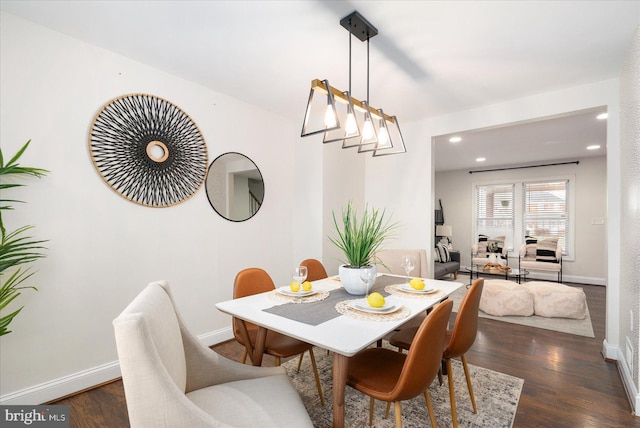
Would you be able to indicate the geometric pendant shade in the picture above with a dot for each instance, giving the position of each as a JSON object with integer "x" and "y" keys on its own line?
{"x": 320, "y": 115}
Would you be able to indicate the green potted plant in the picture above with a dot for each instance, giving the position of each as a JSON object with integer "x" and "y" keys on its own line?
{"x": 359, "y": 240}
{"x": 17, "y": 249}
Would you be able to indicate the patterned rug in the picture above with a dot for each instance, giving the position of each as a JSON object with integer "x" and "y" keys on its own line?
{"x": 496, "y": 394}
{"x": 564, "y": 325}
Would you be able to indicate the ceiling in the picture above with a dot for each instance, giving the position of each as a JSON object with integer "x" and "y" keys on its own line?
{"x": 429, "y": 57}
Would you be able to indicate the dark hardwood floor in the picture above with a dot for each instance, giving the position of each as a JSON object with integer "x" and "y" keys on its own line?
{"x": 567, "y": 383}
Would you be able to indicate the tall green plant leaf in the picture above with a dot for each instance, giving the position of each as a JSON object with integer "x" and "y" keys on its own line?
{"x": 17, "y": 249}
{"x": 360, "y": 239}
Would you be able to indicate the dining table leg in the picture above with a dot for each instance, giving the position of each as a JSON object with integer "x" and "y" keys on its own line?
{"x": 340, "y": 365}
{"x": 255, "y": 351}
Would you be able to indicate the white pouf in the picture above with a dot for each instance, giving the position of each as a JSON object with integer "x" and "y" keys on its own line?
{"x": 553, "y": 300}
{"x": 501, "y": 297}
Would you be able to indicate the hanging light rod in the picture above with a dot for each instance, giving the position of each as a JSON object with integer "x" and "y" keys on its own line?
{"x": 317, "y": 84}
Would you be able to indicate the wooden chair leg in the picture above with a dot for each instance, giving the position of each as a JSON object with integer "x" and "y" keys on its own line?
{"x": 398, "y": 411}
{"x": 432, "y": 415}
{"x": 371, "y": 403}
{"x": 277, "y": 361}
{"x": 300, "y": 362}
{"x": 466, "y": 375}
{"x": 244, "y": 356}
{"x": 452, "y": 395}
{"x": 386, "y": 412}
{"x": 440, "y": 376}
{"x": 315, "y": 374}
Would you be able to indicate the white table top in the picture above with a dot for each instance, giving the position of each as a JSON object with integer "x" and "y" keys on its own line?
{"x": 342, "y": 334}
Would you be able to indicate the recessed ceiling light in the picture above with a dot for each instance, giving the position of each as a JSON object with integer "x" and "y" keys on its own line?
{"x": 593, "y": 147}
{"x": 455, "y": 139}
{"x": 481, "y": 159}
{"x": 602, "y": 116}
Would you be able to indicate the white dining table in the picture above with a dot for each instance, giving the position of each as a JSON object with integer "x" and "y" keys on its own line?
{"x": 343, "y": 335}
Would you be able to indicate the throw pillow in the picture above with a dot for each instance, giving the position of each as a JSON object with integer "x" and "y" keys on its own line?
{"x": 443, "y": 253}
{"x": 546, "y": 250}
{"x": 531, "y": 245}
{"x": 496, "y": 244}
{"x": 483, "y": 244}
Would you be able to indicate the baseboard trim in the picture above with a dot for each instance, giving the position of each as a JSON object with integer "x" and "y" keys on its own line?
{"x": 627, "y": 381}
{"x": 86, "y": 379}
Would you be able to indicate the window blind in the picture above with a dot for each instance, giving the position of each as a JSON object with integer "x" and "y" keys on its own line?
{"x": 494, "y": 211}
{"x": 546, "y": 213}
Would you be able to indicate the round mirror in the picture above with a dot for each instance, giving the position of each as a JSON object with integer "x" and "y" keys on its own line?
{"x": 234, "y": 186}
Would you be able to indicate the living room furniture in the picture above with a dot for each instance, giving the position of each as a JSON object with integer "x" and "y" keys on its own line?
{"x": 553, "y": 300}
{"x": 502, "y": 298}
{"x": 253, "y": 281}
{"x": 344, "y": 336}
{"x": 542, "y": 298}
{"x": 391, "y": 376}
{"x": 171, "y": 380}
{"x": 458, "y": 341}
{"x": 534, "y": 258}
{"x": 517, "y": 274}
{"x": 442, "y": 269}
{"x": 486, "y": 246}
{"x": 392, "y": 261}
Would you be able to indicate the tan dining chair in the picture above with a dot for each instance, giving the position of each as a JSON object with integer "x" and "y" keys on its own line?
{"x": 253, "y": 281}
{"x": 171, "y": 380}
{"x": 390, "y": 376}
{"x": 459, "y": 341}
{"x": 315, "y": 269}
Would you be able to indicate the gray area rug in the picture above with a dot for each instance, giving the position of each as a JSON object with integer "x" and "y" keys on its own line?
{"x": 496, "y": 394}
{"x": 564, "y": 325}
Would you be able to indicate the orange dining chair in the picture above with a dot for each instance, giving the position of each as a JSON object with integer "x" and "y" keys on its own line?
{"x": 392, "y": 376}
{"x": 459, "y": 341}
{"x": 253, "y": 281}
{"x": 315, "y": 269}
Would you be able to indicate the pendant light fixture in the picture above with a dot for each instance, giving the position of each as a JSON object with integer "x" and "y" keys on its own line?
{"x": 343, "y": 118}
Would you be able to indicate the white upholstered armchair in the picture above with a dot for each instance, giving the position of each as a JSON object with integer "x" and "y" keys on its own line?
{"x": 541, "y": 255}
{"x": 171, "y": 380}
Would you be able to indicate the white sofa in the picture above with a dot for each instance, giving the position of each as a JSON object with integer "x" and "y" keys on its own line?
{"x": 529, "y": 260}
{"x": 171, "y": 380}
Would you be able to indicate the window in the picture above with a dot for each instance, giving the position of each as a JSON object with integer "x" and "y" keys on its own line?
{"x": 546, "y": 213}
{"x": 494, "y": 211}
{"x": 543, "y": 208}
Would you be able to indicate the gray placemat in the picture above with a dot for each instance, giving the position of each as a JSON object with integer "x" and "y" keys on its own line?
{"x": 316, "y": 313}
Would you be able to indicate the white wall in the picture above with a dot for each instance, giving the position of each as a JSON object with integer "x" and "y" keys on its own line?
{"x": 103, "y": 249}
{"x": 384, "y": 176}
{"x": 629, "y": 311}
{"x": 588, "y": 264}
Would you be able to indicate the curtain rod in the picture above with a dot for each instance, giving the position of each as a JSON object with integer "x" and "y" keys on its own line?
{"x": 522, "y": 167}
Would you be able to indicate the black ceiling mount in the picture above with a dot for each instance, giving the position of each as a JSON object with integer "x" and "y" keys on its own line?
{"x": 359, "y": 26}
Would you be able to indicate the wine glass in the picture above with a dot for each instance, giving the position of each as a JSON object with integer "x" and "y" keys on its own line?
{"x": 368, "y": 276}
{"x": 299, "y": 275}
{"x": 408, "y": 263}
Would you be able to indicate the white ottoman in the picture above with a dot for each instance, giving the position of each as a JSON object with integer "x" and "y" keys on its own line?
{"x": 553, "y": 300}
{"x": 501, "y": 297}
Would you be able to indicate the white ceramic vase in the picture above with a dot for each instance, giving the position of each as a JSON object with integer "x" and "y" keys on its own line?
{"x": 351, "y": 281}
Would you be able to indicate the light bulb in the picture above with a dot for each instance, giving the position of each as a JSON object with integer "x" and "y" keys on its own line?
{"x": 329, "y": 117}
{"x": 351, "y": 127}
{"x": 367, "y": 129}
{"x": 383, "y": 137}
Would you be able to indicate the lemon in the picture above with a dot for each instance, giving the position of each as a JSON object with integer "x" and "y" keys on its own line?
{"x": 294, "y": 287}
{"x": 306, "y": 286}
{"x": 417, "y": 283}
{"x": 375, "y": 300}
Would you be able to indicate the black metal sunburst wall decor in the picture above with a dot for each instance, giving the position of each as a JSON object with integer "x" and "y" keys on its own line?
{"x": 148, "y": 150}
